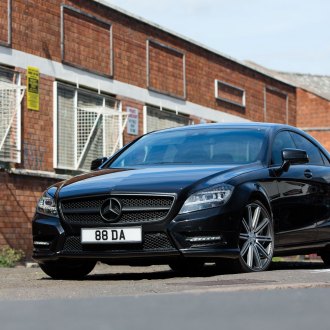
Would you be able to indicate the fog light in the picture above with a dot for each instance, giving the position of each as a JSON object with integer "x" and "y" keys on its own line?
{"x": 41, "y": 243}
{"x": 204, "y": 239}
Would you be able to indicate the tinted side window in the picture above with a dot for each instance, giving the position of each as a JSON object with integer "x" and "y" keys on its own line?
{"x": 282, "y": 141}
{"x": 313, "y": 152}
{"x": 325, "y": 160}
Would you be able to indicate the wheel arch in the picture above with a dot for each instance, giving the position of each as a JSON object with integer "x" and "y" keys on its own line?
{"x": 254, "y": 191}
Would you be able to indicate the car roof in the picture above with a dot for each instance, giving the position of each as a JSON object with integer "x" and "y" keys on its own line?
{"x": 251, "y": 125}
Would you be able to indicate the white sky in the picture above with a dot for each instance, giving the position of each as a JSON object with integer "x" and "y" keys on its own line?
{"x": 286, "y": 35}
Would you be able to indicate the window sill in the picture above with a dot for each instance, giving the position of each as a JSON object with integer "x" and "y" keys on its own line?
{"x": 40, "y": 174}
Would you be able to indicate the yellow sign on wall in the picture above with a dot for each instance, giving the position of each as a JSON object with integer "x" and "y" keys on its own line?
{"x": 33, "y": 88}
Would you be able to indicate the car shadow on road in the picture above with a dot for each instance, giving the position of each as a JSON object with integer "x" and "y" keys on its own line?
{"x": 134, "y": 275}
{"x": 207, "y": 272}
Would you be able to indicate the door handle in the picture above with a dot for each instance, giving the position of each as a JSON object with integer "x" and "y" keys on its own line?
{"x": 308, "y": 174}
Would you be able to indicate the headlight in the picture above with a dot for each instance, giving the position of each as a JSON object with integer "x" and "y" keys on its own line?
{"x": 47, "y": 205}
{"x": 207, "y": 198}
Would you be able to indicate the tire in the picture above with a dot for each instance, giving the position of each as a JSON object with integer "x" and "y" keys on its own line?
{"x": 67, "y": 269}
{"x": 227, "y": 266}
{"x": 187, "y": 267}
{"x": 325, "y": 256}
{"x": 256, "y": 241}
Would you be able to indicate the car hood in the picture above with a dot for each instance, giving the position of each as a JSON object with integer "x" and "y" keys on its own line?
{"x": 160, "y": 179}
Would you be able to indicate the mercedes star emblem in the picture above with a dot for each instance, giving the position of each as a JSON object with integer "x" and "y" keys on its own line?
{"x": 111, "y": 210}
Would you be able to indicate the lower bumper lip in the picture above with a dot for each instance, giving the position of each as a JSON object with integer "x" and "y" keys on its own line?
{"x": 127, "y": 257}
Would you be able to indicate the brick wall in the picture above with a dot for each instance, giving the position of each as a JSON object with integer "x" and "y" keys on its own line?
{"x": 19, "y": 194}
{"x": 314, "y": 111}
{"x": 3, "y": 22}
{"x": 275, "y": 106}
{"x": 36, "y": 30}
{"x": 322, "y": 136}
{"x": 166, "y": 70}
{"x": 37, "y": 128}
{"x": 18, "y": 198}
{"x": 84, "y": 35}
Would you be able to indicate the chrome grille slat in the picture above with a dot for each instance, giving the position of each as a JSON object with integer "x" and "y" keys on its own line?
{"x": 136, "y": 209}
{"x": 140, "y": 209}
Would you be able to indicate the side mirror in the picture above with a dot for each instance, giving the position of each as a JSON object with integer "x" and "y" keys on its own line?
{"x": 291, "y": 157}
{"x": 295, "y": 156}
{"x": 96, "y": 163}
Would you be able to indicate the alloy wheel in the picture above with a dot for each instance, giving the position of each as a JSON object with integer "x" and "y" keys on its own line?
{"x": 256, "y": 238}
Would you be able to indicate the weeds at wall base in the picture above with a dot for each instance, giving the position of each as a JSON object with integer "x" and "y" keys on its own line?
{"x": 9, "y": 257}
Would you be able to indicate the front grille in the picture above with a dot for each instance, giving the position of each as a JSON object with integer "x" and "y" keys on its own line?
{"x": 152, "y": 242}
{"x": 126, "y": 201}
{"x": 136, "y": 209}
{"x": 156, "y": 241}
{"x": 129, "y": 217}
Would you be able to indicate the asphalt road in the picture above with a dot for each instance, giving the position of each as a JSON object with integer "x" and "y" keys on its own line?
{"x": 289, "y": 296}
{"x": 106, "y": 281}
{"x": 293, "y": 309}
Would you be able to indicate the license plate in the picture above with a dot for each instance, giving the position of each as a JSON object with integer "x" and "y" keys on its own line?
{"x": 111, "y": 235}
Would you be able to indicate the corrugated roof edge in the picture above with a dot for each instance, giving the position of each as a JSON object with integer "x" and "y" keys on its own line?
{"x": 315, "y": 82}
{"x": 196, "y": 43}
{"x": 303, "y": 74}
{"x": 292, "y": 81}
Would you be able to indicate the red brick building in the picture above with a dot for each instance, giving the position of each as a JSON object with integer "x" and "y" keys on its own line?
{"x": 97, "y": 63}
{"x": 312, "y": 101}
{"x": 313, "y": 104}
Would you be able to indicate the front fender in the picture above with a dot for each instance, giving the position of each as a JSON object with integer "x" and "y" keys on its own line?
{"x": 251, "y": 191}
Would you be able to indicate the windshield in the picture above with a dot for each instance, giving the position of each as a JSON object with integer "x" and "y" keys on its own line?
{"x": 195, "y": 146}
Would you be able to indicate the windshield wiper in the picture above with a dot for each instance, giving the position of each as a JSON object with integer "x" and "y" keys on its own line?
{"x": 164, "y": 163}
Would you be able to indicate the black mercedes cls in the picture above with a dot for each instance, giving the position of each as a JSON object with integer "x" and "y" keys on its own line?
{"x": 231, "y": 194}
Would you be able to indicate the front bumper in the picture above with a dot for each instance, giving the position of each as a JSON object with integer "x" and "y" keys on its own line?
{"x": 208, "y": 235}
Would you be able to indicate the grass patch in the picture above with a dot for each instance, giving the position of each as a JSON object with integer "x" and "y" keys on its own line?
{"x": 278, "y": 259}
{"x": 9, "y": 257}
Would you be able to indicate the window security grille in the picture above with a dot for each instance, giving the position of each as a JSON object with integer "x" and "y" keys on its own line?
{"x": 11, "y": 95}
{"x": 89, "y": 125}
{"x": 160, "y": 119}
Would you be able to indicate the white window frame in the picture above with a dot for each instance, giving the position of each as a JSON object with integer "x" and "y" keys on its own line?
{"x": 55, "y": 120}
{"x": 55, "y": 124}
{"x": 20, "y": 91}
{"x": 218, "y": 83}
{"x": 145, "y": 115}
